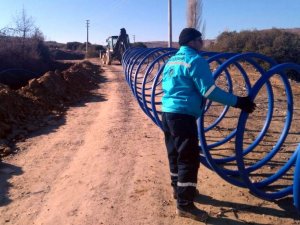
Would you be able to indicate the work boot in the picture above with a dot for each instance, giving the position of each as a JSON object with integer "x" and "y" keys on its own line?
{"x": 175, "y": 193}
{"x": 192, "y": 212}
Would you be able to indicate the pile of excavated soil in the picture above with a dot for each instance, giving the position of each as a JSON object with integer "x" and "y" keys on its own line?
{"x": 43, "y": 100}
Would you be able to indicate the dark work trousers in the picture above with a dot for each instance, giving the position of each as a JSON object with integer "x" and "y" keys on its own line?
{"x": 181, "y": 138}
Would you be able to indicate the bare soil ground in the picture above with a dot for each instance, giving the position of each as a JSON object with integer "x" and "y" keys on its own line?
{"x": 104, "y": 162}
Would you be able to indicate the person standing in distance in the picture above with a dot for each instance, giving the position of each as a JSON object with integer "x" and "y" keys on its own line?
{"x": 187, "y": 82}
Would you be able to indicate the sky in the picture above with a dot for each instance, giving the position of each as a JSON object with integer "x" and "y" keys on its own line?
{"x": 146, "y": 20}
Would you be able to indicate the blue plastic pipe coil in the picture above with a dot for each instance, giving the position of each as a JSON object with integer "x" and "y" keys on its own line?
{"x": 143, "y": 72}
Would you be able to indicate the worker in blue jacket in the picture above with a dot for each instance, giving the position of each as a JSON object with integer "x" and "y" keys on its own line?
{"x": 187, "y": 82}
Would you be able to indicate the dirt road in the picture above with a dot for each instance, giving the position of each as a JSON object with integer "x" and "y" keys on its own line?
{"x": 105, "y": 163}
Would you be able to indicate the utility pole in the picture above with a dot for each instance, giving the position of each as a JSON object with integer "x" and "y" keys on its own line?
{"x": 133, "y": 38}
{"x": 170, "y": 23}
{"x": 87, "y": 36}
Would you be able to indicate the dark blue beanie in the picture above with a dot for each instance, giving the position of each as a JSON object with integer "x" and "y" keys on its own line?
{"x": 188, "y": 34}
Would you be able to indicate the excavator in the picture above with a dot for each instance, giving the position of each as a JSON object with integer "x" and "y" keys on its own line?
{"x": 116, "y": 46}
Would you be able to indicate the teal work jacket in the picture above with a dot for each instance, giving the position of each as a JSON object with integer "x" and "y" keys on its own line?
{"x": 187, "y": 81}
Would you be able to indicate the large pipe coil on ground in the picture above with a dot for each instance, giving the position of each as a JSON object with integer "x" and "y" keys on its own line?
{"x": 259, "y": 151}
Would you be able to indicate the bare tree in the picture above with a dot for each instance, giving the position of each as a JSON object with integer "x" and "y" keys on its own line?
{"x": 23, "y": 27}
{"x": 24, "y": 24}
{"x": 25, "y": 36}
{"x": 194, "y": 15}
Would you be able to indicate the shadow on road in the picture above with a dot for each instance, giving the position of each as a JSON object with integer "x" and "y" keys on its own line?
{"x": 288, "y": 210}
{"x": 7, "y": 171}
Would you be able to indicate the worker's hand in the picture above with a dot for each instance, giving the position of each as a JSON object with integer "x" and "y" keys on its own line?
{"x": 245, "y": 104}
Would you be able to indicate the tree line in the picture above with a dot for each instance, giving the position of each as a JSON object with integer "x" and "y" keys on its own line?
{"x": 73, "y": 50}
{"x": 281, "y": 45}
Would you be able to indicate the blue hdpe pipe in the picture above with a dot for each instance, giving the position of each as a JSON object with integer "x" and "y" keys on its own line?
{"x": 143, "y": 69}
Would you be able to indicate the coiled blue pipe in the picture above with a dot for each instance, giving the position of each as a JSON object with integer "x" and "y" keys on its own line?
{"x": 143, "y": 72}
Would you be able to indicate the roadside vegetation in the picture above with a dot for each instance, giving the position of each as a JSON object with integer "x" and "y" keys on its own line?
{"x": 23, "y": 46}
{"x": 24, "y": 53}
{"x": 281, "y": 45}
